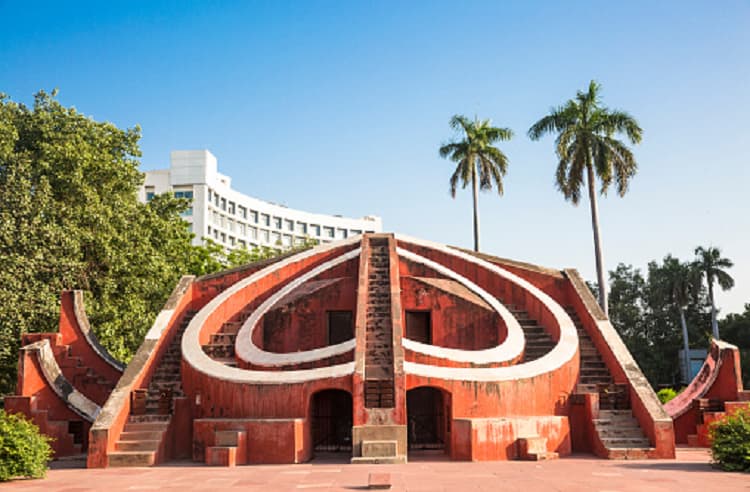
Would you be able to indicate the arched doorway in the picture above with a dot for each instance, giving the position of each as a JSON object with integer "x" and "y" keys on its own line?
{"x": 428, "y": 413}
{"x": 331, "y": 421}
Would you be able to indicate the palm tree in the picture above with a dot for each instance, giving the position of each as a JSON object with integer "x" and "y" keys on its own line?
{"x": 586, "y": 146}
{"x": 479, "y": 161}
{"x": 713, "y": 266}
{"x": 682, "y": 286}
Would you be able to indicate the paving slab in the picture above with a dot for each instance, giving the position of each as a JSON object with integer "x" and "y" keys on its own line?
{"x": 690, "y": 472}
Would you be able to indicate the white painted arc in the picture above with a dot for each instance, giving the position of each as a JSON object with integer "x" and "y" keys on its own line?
{"x": 247, "y": 351}
{"x": 564, "y": 351}
{"x": 510, "y": 349}
{"x": 194, "y": 355}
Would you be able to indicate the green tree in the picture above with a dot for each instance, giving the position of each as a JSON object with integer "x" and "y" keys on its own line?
{"x": 682, "y": 283}
{"x": 479, "y": 161}
{"x": 586, "y": 146}
{"x": 713, "y": 267}
{"x": 643, "y": 311}
{"x": 735, "y": 329}
{"x": 70, "y": 218}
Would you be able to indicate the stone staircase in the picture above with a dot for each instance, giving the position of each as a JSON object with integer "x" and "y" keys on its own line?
{"x": 91, "y": 384}
{"x": 621, "y": 435}
{"x": 221, "y": 344}
{"x": 379, "y": 385}
{"x": 538, "y": 342}
{"x": 141, "y": 439}
{"x": 594, "y": 377}
{"x": 617, "y": 429}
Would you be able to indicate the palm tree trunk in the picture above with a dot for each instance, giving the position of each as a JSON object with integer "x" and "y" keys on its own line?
{"x": 475, "y": 187}
{"x": 714, "y": 322}
{"x": 685, "y": 346}
{"x": 597, "y": 242}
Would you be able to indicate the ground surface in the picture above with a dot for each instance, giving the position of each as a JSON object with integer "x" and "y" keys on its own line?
{"x": 690, "y": 472}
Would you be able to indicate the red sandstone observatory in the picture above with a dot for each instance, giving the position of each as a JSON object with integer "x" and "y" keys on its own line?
{"x": 378, "y": 346}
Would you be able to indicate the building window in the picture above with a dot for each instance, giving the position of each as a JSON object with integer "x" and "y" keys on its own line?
{"x": 301, "y": 228}
{"x": 230, "y": 225}
{"x": 149, "y": 196}
{"x": 254, "y": 216}
{"x": 215, "y": 217}
{"x": 231, "y": 208}
{"x": 340, "y": 327}
{"x": 231, "y": 241}
{"x": 287, "y": 240}
{"x": 253, "y": 232}
{"x": 187, "y": 212}
{"x": 276, "y": 238}
{"x": 216, "y": 199}
{"x": 315, "y": 229}
{"x": 209, "y": 230}
{"x": 265, "y": 220}
{"x": 328, "y": 231}
{"x": 224, "y": 204}
{"x": 243, "y": 212}
{"x": 264, "y": 235}
{"x": 289, "y": 225}
{"x": 242, "y": 244}
{"x": 210, "y": 195}
{"x": 277, "y": 222}
{"x": 356, "y": 232}
{"x": 184, "y": 194}
{"x": 341, "y": 233}
{"x": 241, "y": 228}
{"x": 418, "y": 327}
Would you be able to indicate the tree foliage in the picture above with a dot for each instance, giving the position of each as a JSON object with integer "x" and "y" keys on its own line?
{"x": 645, "y": 311}
{"x": 478, "y": 160}
{"x": 70, "y": 219}
{"x": 586, "y": 147}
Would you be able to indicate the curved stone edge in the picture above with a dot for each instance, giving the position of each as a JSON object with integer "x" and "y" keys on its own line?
{"x": 193, "y": 354}
{"x": 74, "y": 400}
{"x": 563, "y": 352}
{"x": 702, "y": 382}
{"x": 84, "y": 326}
{"x": 247, "y": 351}
{"x": 510, "y": 349}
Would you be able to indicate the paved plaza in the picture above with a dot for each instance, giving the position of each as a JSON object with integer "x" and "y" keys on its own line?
{"x": 690, "y": 472}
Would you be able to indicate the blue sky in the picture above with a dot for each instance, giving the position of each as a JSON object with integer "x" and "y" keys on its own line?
{"x": 340, "y": 107}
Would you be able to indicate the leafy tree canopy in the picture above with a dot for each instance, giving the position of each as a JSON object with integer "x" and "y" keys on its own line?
{"x": 70, "y": 219}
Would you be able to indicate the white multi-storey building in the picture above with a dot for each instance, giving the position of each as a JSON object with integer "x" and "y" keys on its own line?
{"x": 236, "y": 220}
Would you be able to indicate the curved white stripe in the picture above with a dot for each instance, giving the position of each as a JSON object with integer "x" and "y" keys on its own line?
{"x": 565, "y": 349}
{"x": 510, "y": 349}
{"x": 193, "y": 354}
{"x": 249, "y": 352}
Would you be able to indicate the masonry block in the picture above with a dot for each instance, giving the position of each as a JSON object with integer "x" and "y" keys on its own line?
{"x": 379, "y": 449}
{"x": 379, "y": 481}
{"x": 221, "y": 456}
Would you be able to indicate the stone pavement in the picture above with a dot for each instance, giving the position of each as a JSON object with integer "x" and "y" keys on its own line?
{"x": 690, "y": 472}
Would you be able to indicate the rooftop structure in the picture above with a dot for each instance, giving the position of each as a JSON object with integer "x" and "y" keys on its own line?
{"x": 235, "y": 220}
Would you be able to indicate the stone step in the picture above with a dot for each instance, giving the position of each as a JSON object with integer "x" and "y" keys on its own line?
{"x": 148, "y": 423}
{"x": 140, "y": 445}
{"x": 625, "y": 442}
{"x": 131, "y": 458}
{"x": 144, "y": 435}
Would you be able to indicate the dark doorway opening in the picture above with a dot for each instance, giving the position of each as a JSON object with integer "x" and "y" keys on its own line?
{"x": 340, "y": 327}
{"x": 332, "y": 421}
{"x": 428, "y": 424}
{"x": 419, "y": 326}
